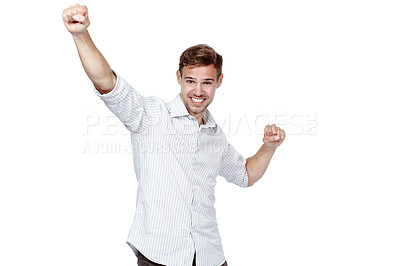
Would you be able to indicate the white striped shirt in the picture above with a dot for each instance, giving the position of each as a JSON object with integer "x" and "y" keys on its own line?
{"x": 176, "y": 164}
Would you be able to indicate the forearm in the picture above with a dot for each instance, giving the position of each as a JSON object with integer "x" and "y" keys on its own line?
{"x": 258, "y": 164}
{"x": 94, "y": 63}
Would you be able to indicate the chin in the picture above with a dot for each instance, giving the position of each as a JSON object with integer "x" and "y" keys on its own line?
{"x": 197, "y": 110}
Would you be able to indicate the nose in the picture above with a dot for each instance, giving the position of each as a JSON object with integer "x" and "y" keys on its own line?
{"x": 198, "y": 90}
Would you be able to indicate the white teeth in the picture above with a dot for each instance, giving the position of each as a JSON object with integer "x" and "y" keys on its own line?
{"x": 197, "y": 100}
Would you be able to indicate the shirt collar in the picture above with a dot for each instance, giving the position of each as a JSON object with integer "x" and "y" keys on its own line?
{"x": 177, "y": 108}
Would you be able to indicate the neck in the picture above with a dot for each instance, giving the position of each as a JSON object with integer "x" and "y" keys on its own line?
{"x": 199, "y": 118}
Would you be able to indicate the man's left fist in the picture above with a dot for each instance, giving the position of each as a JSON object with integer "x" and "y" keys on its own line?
{"x": 273, "y": 136}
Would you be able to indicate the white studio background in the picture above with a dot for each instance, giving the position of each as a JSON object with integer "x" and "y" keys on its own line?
{"x": 325, "y": 71}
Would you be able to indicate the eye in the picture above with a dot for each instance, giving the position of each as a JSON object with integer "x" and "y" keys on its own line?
{"x": 190, "y": 81}
{"x": 207, "y": 83}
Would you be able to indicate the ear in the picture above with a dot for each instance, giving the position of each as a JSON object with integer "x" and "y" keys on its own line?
{"x": 220, "y": 80}
{"x": 179, "y": 77}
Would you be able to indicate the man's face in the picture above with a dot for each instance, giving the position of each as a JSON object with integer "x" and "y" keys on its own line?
{"x": 198, "y": 85}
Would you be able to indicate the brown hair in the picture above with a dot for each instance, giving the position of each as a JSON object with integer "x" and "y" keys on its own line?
{"x": 200, "y": 55}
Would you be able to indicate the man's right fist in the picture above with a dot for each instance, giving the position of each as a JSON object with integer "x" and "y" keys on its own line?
{"x": 76, "y": 19}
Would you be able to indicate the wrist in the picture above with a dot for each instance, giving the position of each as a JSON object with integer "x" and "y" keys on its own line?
{"x": 80, "y": 35}
{"x": 268, "y": 149}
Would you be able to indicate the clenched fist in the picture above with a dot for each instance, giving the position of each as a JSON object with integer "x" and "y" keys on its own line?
{"x": 76, "y": 19}
{"x": 273, "y": 136}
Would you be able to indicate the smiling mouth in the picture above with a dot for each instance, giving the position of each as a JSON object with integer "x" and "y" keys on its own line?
{"x": 197, "y": 101}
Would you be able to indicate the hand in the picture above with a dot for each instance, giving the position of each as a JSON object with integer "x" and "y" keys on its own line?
{"x": 76, "y": 19}
{"x": 273, "y": 136}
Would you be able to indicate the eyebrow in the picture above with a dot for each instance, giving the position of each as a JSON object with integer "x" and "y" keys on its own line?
{"x": 206, "y": 79}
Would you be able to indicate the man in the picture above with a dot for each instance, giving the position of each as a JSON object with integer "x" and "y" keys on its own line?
{"x": 178, "y": 152}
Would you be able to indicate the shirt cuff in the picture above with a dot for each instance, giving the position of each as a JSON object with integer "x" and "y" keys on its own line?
{"x": 245, "y": 182}
{"x": 118, "y": 93}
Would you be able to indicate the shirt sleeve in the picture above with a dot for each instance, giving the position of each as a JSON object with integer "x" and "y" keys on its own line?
{"x": 132, "y": 109}
{"x": 233, "y": 167}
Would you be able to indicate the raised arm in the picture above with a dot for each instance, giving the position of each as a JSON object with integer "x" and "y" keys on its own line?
{"x": 76, "y": 20}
